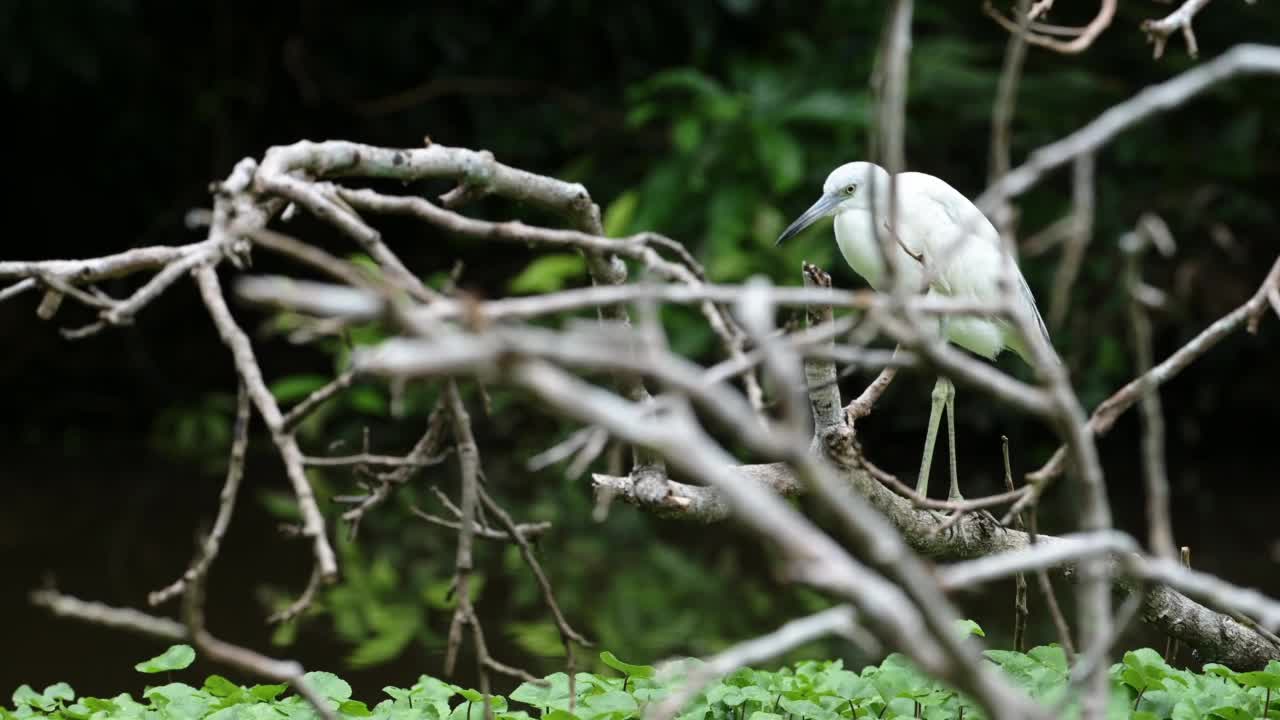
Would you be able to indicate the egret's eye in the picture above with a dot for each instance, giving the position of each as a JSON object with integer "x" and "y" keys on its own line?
{"x": 850, "y": 188}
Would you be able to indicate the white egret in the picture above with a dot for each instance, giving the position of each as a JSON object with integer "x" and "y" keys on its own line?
{"x": 942, "y": 239}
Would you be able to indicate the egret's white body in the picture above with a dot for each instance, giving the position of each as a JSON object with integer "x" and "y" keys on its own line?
{"x": 941, "y": 242}
{"x": 947, "y": 236}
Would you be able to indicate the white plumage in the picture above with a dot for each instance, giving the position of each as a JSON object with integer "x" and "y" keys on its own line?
{"x": 941, "y": 239}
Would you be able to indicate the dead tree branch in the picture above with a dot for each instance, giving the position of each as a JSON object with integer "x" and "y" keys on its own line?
{"x": 1158, "y": 31}
{"x": 1240, "y": 60}
{"x": 313, "y": 526}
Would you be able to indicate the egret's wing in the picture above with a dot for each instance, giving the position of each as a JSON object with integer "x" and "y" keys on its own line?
{"x": 1030, "y": 303}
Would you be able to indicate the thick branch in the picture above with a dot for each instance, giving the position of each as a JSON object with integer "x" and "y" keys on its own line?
{"x": 1216, "y": 636}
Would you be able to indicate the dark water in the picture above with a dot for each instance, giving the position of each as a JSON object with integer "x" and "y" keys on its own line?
{"x": 114, "y": 522}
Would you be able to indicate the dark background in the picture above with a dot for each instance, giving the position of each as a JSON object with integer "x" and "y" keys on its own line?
{"x": 720, "y": 120}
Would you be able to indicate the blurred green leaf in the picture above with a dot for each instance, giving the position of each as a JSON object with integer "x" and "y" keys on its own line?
{"x": 617, "y": 217}
{"x": 177, "y": 657}
{"x": 640, "y": 671}
{"x": 328, "y": 685}
{"x": 782, "y": 156}
{"x": 549, "y": 273}
{"x": 293, "y": 388}
{"x": 368, "y": 400}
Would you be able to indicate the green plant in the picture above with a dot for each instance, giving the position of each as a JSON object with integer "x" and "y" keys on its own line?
{"x": 1144, "y": 687}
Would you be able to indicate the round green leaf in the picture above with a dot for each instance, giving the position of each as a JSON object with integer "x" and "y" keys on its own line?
{"x": 328, "y": 685}
{"x": 640, "y": 671}
{"x": 60, "y": 691}
{"x": 177, "y": 657}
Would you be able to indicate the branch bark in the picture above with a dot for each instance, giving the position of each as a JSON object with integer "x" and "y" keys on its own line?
{"x": 1216, "y": 635}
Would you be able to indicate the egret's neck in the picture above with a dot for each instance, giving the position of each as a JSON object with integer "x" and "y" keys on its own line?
{"x": 858, "y": 242}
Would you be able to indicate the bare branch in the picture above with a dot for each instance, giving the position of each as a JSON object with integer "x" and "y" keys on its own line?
{"x": 215, "y": 649}
{"x": 477, "y": 174}
{"x": 226, "y": 504}
{"x": 17, "y": 289}
{"x": 468, "y": 461}
{"x": 1051, "y": 597}
{"x": 1240, "y": 60}
{"x": 218, "y": 650}
{"x": 638, "y": 247}
{"x": 1158, "y": 31}
{"x": 1077, "y": 234}
{"x": 1007, "y": 92}
{"x": 861, "y": 406}
{"x": 1020, "y": 611}
{"x": 424, "y": 452}
{"x": 1126, "y": 555}
{"x": 1133, "y": 245}
{"x": 367, "y": 459}
{"x": 567, "y": 634}
{"x": 812, "y": 556}
{"x": 1105, "y": 415}
{"x": 527, "y": 530}
{"x": 84, "y": 272}
{"x": 299, "y": 412}
{"x": 820, "y": 377}
{"x": 1079, "y": 44}
{"x": 66, "y": 606}
{"x": 299, "y": 605}
{"x": 246, "y": 363}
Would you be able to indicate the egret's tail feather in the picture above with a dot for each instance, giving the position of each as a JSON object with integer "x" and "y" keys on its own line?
{"x": 1044, "y": 330}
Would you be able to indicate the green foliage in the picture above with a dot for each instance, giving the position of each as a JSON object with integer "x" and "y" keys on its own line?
{"x": 177, "y": 657}
{"x": 549, "y": 273}
{"x": 736, "y": 147}
{"x": 1143, "y": 687}
{"x": 199, "y": 431}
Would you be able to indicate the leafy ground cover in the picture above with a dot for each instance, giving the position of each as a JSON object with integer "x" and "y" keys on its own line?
{"x": 1144, "y": 687}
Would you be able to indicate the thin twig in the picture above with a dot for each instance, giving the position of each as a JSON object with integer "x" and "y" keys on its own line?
{"x": 1079, "y": 44}
{"x": 527, "y": 530}
{"x": 246, "y": 363}
{"x": 1155, "y": 474}
{"x": 1077, "y": 234}
{"x": 1105, "y": 415}
{"x": 468, "y": 462}
{"x": 1171, "y": 645}
{"x": 1240, "y": 60}
{"x": 226, "y": 504}
{"x": 300, "y": 604}
{"x": 568, "y": 635}
{"x": 299, "y": 412}
{"x": 129, "y": 619}
{"x": 1020, "y": 580}
{"x": 369, "y": 459}
{"x": 1050, "y": 596}
{"x": 425, "y": 452}
{"x": 1007, "y": 94}
{"x": 1159, "y": 31}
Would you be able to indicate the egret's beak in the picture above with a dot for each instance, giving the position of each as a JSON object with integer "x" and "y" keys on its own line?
{"x": 819, "y": 210}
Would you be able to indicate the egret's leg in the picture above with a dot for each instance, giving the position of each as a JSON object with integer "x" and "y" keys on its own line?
{"x": 939, "y": 396}
{"x": 954, "y": 493}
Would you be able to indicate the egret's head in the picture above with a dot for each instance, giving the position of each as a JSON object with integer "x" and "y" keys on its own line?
{"x": 849, "y": 187}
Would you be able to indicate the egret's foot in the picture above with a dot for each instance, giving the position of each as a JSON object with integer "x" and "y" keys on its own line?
{"x": 941, "y": 517}
{"x": 987, "y": 519}
{"x": 991, "y": 520}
